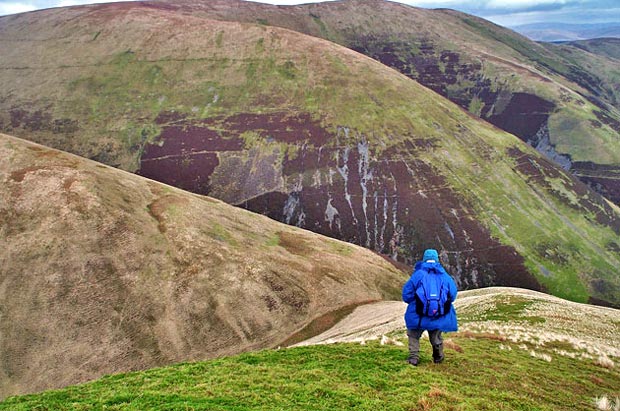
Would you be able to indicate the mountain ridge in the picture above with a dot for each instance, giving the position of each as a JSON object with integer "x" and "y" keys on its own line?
{"x": 609, "y": 47}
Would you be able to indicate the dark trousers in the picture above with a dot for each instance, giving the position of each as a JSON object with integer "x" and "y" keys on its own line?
{"x": 434, "y": 337}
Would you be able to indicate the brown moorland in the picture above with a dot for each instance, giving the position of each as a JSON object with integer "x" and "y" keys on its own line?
{"x": 103, "y": 271}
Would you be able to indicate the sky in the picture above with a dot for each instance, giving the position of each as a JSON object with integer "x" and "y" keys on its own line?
{"x": 509, "y": 13}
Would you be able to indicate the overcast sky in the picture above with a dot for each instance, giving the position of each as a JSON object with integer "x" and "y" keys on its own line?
{"x": 504, "y": 12}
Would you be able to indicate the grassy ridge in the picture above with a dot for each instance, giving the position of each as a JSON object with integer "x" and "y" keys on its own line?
{"x": 481, "y": 372}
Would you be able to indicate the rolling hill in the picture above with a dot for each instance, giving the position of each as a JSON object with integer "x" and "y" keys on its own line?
{"x": 553, "y": 31}
{"x": 103, "y": 271}
{"x": 608, "y": 47}
{"x": 565, "y": 105}
{"x": 516, "y": 350}
{"x": 309, "y": 133}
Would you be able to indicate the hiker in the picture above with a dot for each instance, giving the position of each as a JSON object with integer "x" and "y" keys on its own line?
{"x": 430, "y": 293}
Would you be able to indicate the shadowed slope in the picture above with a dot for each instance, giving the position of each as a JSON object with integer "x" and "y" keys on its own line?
{"x": 309, "y": 133}
{"x": 102, "y": 271}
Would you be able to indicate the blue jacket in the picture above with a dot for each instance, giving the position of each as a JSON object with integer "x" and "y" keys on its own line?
{"x": 446, "y": 322}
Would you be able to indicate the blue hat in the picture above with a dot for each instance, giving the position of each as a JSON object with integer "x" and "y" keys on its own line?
{"x": 430, "y": 254}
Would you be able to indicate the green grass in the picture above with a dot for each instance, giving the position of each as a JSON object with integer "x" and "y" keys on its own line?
{"x": 507, "y": 308}
{"x": 475, "y": 106}
{"x": 341, "y": 248}
{"x": 347, "y": 376}
{"x": 220, "y": 233}
{"x": 322, "y": 27}
{"x": 516, "y": 43}
{"x": 273, "y": 241}
{"x": 570, "y": 124}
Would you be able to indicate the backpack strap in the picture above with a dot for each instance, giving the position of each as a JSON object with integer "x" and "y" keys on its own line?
{"x": 415, "y": 291}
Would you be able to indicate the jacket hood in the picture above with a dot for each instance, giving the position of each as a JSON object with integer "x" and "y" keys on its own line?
{"x": 428, "y": 267}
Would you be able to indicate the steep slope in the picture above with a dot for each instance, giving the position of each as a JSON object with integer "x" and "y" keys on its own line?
{"x": 568, "y": 110}
{"x": 102, "y": 271}
{"x": 506, "y": 368}
{"x": 309, "y": 133}
{"x": 601, "y": 59}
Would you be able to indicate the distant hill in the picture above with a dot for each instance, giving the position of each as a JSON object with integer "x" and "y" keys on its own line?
{"x": 316, "y": 135}
{"x": 568, "y": 32}
{"x": 516, "y": 350}
{"x": 599, "y": 58}
{"x": 103, "y": 271}
{"x": 608, "y": 47}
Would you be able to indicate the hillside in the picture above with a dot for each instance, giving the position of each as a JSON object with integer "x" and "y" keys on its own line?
{"x": 601, "y": 59}
{"x": 552, "y": 31}
{"x": 103, "y": 271}
{"x": 498, "y": 368}
{"x": 566, "y": 107}
{"x": 608, "y": 47}
{"x": 309, "y": 133}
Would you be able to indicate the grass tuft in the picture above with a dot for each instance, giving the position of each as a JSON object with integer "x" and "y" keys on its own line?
{"x": 605, "y": 362}
{"x": 605, "y": 404}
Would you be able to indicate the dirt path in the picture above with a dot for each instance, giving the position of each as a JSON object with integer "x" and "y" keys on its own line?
{"x": 366, "y": 322}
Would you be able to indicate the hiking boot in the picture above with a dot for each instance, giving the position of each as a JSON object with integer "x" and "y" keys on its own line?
{"x": 413, "y": 361}
{"x": 438, "y": 353}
